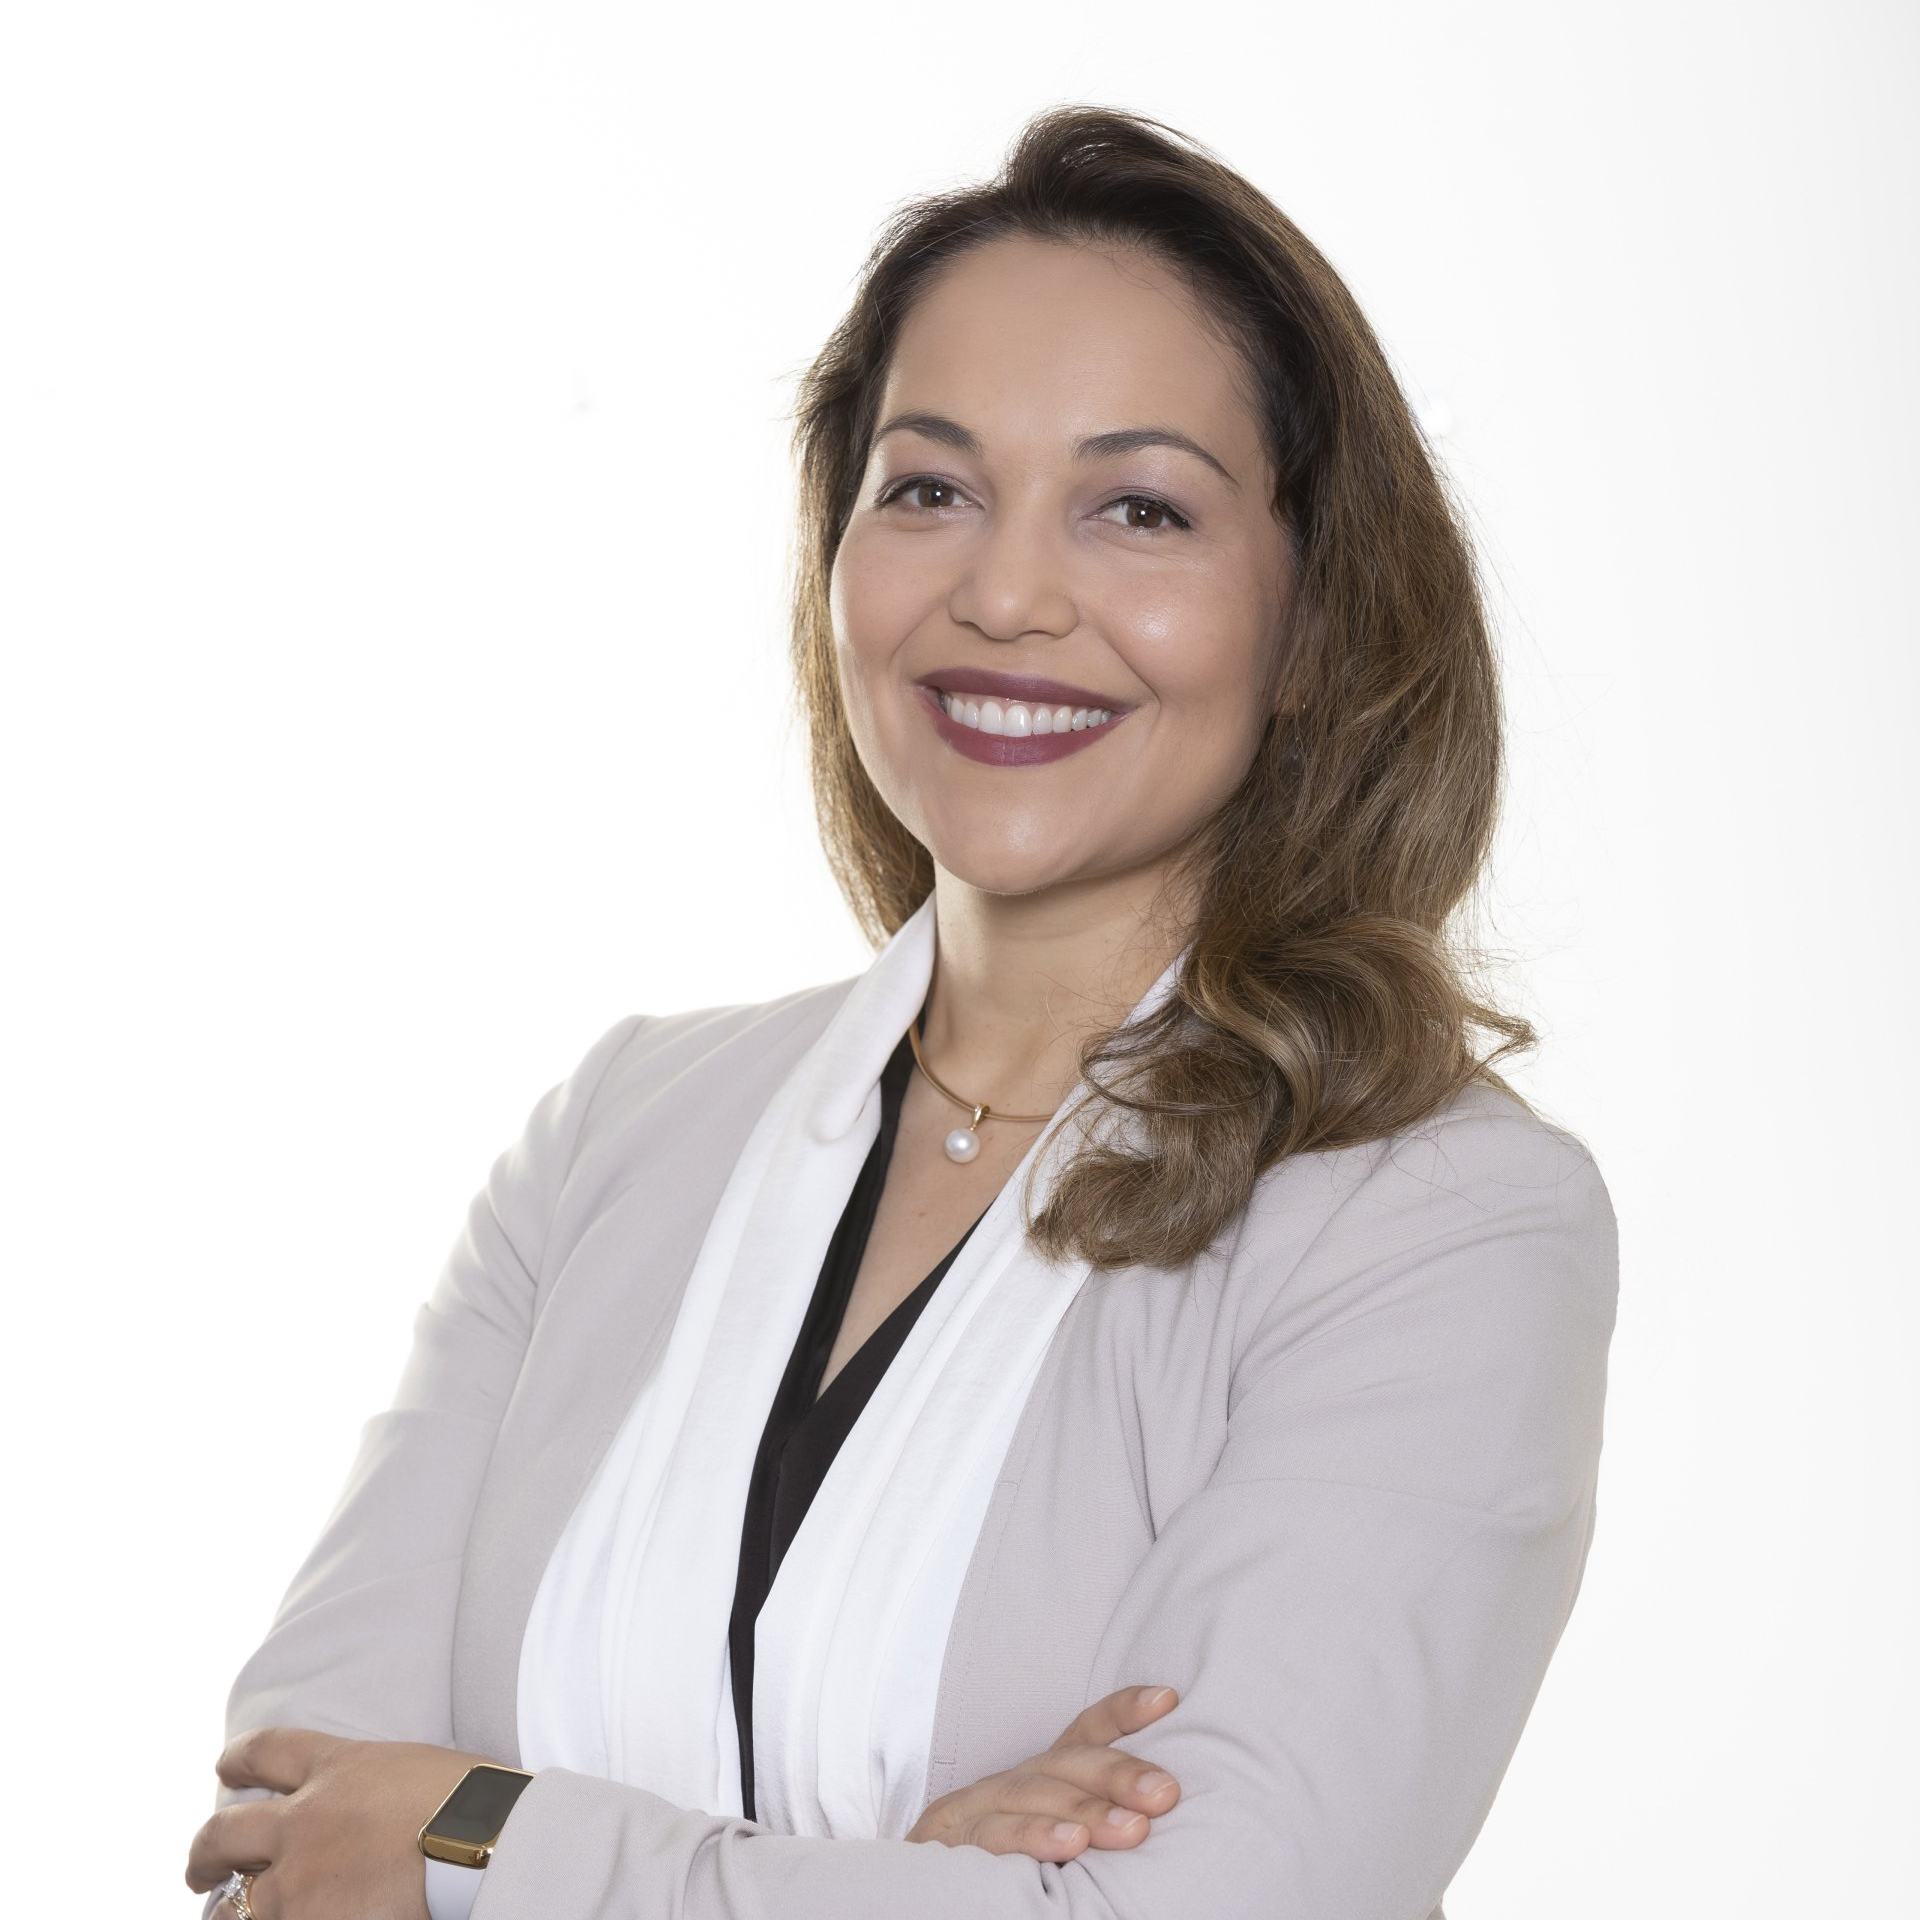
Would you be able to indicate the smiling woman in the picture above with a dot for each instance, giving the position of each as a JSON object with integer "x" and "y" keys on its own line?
{"x": 1117, "y": 418}
{"x": 786, "y": 1475}
{"x": 1130, "y": 563}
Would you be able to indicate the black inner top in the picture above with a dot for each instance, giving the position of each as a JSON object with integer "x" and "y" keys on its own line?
{"x": 802, "y": 1434}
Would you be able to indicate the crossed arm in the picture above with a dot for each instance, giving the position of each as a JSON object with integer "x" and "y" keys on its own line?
{"x": 1358, "y": 1608}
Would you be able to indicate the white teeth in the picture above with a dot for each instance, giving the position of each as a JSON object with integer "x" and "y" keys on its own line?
{"x": 1018, "y": 720}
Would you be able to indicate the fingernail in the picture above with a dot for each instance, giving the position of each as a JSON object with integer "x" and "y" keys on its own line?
{"x": 1067, "y": 1831}
{"x": 1156, "y": 1697}
{"x": 1153, "y": 1782}
{"x": 1122, "y": 1816}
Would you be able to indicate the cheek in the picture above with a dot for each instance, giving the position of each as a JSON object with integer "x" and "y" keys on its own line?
{"x": 856, "y": 623}
{"x": 1206, "y": 659}
{"x": 875, "y": 601}
{"x": 867, "y": 626}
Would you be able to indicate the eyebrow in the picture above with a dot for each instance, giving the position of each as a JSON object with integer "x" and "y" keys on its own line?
{"x": 1096, "y": 446}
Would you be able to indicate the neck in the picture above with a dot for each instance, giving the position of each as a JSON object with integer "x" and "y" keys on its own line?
{"x": 1020, "y": 982}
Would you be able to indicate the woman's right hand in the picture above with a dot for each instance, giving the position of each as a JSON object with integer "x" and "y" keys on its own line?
{"x": 1055, "y": 1805}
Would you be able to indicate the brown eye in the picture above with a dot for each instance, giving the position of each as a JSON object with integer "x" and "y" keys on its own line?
{"x": 919, "y": 483}
{"x": 1155, "y": 515}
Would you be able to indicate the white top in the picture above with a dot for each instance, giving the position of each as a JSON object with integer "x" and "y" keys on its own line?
{"x": 624, "y": 1669}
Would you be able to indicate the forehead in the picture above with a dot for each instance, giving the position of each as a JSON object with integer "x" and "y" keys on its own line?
{"x": 1034, "y": 342}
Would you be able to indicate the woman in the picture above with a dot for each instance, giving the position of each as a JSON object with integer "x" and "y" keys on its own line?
{"x": 1218, "y": 1322}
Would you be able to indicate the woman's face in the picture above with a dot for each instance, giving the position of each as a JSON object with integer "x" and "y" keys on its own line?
{"x": 1029, "y": 548}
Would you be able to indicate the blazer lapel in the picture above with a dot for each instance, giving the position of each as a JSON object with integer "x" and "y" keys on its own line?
{"x": 644, "y": 1193}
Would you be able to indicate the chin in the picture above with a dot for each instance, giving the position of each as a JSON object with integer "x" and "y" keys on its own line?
{"x": 991, "y": 870}
{"x": 1007, "y": 870}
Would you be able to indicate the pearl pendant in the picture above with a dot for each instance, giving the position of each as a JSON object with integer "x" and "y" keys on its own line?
{"x": 962, "y": 1144}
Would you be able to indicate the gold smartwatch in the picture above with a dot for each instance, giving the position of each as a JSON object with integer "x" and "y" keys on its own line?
{"x": 460, "y": 1838}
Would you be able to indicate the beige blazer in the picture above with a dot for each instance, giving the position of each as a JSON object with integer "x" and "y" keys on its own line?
{"x": 1335, "y": 1481}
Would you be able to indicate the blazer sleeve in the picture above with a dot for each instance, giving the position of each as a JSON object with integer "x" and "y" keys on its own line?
{"x": 1358, "y": 1607}
{"x": 362, "y": 1644}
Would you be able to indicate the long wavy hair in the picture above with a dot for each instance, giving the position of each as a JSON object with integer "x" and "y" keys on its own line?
{"x": 1328, "y": 997}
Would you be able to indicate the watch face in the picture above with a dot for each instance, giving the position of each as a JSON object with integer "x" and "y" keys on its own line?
{"x": 477, "y": 1808}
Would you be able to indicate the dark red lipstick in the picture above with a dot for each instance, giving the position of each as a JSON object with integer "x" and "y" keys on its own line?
{"x": 1006, "y": 749}
{"x": 1029, "y": 687}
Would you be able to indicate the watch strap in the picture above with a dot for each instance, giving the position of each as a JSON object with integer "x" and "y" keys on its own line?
{"x": 452, "y": 1890}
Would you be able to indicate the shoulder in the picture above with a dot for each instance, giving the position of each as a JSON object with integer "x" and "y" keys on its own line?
{"x": 659, "y": 1098}
{"x": 706, "y": 1060}
{"x": 1453, "y": 1284}
{"x": 648, "y": 1053}
{"x": 1484, "y": 1207}
{"x": 1485, "y": 1153}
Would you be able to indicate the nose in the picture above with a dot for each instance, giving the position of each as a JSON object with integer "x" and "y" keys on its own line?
{"x": 1014, "y": 584}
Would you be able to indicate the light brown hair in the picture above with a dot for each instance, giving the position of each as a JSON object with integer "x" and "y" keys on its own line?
{"x": 1327, "y": 999}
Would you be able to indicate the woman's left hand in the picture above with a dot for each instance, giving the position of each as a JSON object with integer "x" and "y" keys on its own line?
{"x": 340, "y": 1839}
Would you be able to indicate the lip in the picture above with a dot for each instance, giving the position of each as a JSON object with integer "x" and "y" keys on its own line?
{"x": 1008, "y": 750}
{"x": 1019, "y": 686}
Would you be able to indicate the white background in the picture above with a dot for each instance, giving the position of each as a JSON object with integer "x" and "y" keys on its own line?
{"x": 395, "y": 522}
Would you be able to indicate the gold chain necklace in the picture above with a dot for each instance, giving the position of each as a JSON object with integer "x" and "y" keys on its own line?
{"x": 963, "y": 1143}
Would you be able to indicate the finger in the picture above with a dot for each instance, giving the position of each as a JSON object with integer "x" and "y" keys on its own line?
{"x": 244, "y": 1837}
{"x": 1118, "y": 1715}
{"x": 261, "y": 1898}
{"x": 1064, "y": 1787}
{"x": 1040, "y": 1836}
{"x": 1113, "y": 1771}
{"x": 1115, "y": 1784}
{"x": 276, "y": 1757}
